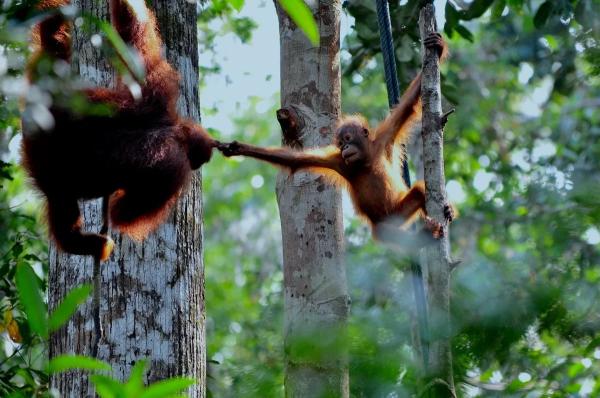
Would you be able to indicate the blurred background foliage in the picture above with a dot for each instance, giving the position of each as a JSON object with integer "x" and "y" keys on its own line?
{"x": 522, "y": 165}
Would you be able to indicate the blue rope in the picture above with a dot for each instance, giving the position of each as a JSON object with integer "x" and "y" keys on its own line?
{"x": 387, "y": 50}
{"x": 389, "y": 67}
{"x": 393, "y": 90}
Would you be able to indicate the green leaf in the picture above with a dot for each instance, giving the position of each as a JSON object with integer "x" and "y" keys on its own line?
{"x": 498, "y": 9}
{"x": 452, "y": 16}
{"x": 542, "y": 14}
{"x": 575, "y": 369}
{"x": 29, "y": 292}
{"x": 237, "y": 4}
{"x": 5, "y": 171}
{"x": 452, "y": 19}
{"x": 514, "y": 386}
{"x": 103, "y": 390}
{"x": 302, "y": 16}
{"x": 572, "y": 388}
{"x": 107, "y": 387}
{"x": 516, "y": 4}
{"x": 69, "y": 305}
{"x": 477, "y": 8}
{"x": 464, "y": 32}
{"x": 448, "y": 30}
{"x": 26, "y": 375}
{"x": 64, "y": 363}
{"x": 135, "y": 384}
{"x": 168, "y": 388}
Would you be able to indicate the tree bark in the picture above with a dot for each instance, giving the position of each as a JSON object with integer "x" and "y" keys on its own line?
{"x": 437, "y": 256}
{"x": 316, "y": 296}
{"x": 150, "y": 297}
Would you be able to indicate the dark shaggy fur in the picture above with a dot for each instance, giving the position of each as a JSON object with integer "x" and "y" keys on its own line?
{"x": 141, "y": 156}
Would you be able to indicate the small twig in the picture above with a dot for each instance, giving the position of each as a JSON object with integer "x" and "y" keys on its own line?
{"x": 444, "y": 117}
{"x": 454, "y": 264}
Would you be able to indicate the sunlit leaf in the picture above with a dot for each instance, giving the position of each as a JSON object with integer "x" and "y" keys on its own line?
{"x": 29, "y": 292}
{"x": 575, "y": 369}
{"x": 498, "y": 8}
{"x": 514, "y": 386}
{"x": 302, "y": 16}
{"x": 168, "y": 388}
{"x": 135, "y": 384}
{"x": 572, "y": 388}
{"x": 64, "y": 363}
{"x": 237, "y": 4}
{"x": 107, "y": 387}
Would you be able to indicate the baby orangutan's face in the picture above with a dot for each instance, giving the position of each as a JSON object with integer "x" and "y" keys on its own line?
{"x": 353, "y": 141}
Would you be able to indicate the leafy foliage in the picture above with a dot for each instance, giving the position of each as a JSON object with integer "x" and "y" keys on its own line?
{"x": 23, "y": 351}
{"x": 63, "y": 363}
{"x": 296, "y": 9}
{"x": 24, "y": 321}
{"x": 521, "y": 153}
{"x": 522, "y": 161}
{"x": 22, "y": 359}
{"x": 552, "y": 16}
{"x": 108, "y": 387}
{"x": 244, "y": 276}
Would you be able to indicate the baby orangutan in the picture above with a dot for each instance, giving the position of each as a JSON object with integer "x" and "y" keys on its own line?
{"x": 364, "y": 162}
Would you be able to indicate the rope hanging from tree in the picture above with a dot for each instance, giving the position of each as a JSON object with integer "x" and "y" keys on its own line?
{"x": 389, "y": 67}
{"x": 393, "y": 91}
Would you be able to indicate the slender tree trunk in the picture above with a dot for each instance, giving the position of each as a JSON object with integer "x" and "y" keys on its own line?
{"x": 437, "y": 256}
{"x": 316, "y": 296}
{"x": 150, "y": 298}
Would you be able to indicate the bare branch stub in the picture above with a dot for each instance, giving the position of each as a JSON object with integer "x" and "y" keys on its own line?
{"x": 290, "y": 129}
{"x": 455, "y": 263}
{"x": 444, "y": 117}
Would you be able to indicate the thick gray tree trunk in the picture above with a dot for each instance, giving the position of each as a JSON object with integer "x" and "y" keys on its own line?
{"x": 150, "y": 301}
{"x": 316, "y": 296}
{"x": 437, "y": 256}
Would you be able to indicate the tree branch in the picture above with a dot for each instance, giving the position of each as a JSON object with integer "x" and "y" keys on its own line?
{"x": 437, "y": 256}
{"x": 444, "y": 118}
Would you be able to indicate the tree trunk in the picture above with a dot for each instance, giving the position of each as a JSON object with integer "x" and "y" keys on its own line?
{"x": 150, "y": 297}
{"x": 316, "y": 296}
{"x": 437, "y": 256}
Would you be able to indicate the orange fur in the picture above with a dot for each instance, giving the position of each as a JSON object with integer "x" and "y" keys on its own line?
{"x": 141, "y": 155}
{"x": 139, "y": 228}
{"x": 362, "y": 161}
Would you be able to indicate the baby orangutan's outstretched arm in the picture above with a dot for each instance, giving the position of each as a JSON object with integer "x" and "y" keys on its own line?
{"x": 328, "y": 158}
